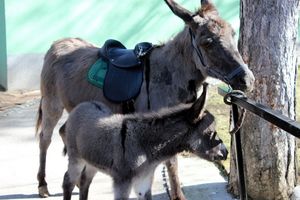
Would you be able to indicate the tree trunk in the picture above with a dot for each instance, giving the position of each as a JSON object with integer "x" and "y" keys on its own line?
{"x": 268, "y": 45}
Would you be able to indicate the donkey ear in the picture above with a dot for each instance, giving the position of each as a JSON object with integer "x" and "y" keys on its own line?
{"x": 204, "y": 2}
{"x": 181, "y": 12}
{"x": 208, "y": 8}
{"x": 197, "y": 110}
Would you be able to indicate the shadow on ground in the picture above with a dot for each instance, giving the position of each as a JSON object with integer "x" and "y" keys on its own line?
{"x": 29, "y": 196}
{"x": 195, "y": 192}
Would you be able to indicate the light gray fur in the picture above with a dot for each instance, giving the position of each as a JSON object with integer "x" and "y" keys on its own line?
{"x": 129, "y": 147}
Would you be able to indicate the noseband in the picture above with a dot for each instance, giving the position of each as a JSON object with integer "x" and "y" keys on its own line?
{"x": 212, "y": 72}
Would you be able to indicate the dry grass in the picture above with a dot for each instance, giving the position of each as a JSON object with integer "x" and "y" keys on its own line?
{"x": 11, "y": 99}
{"x": 221, "y": 112}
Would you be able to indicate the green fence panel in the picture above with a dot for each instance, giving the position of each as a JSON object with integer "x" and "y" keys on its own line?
{"x": 32, "y": 25}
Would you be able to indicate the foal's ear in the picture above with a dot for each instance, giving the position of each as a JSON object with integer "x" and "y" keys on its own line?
{"x": 207, "y": 9}
{"x": 197, "y": 110}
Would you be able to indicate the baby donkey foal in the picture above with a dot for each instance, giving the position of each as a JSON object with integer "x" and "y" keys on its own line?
{"x": 130, "y": 147}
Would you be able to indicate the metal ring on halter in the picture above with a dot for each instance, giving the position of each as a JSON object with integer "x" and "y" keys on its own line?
{"x": 227, "y": 97}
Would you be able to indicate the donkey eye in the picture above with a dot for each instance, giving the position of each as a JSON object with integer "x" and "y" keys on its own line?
{"x": 233, "y": 34}
{"x": 207, "y": 42}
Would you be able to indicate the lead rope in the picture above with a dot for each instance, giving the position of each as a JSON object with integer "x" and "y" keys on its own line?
{"x": 163, "y": 171}
{"x": 227, "y": 100}
{"x": 165, "y": 183}
{"x": 239, "y": 123}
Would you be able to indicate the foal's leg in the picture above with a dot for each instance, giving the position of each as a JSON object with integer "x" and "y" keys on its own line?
{"x": 142, "y": 186}
{"x": 87, "y": 176}
{"x": 51, "y": 112}
{"x": 72, "y": 176}
{"x": 121, "y": 189}
{"x": 172, "y": 166}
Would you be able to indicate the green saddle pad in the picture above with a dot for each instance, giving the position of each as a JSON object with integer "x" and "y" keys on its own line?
{"x": 97, "y": 72}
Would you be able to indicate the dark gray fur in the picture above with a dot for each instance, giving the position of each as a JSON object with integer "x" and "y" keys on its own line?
{"x": 129, "y": 147}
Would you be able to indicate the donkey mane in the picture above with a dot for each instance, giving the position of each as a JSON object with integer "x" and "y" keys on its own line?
{"x": 180, "y": 111}
{"x": 175, "y": 111}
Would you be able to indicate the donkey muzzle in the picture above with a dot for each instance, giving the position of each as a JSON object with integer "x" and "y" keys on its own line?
{"x": 244, "y": 80}
{"x": 222, "y": 153}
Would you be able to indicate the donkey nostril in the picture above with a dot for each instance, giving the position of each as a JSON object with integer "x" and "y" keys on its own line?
{"x": 225, "y": 153}
{"x": 242, "y": 81}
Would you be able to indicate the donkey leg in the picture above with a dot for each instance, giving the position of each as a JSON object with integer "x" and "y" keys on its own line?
{"x": 142, "y": 186}
{"x": 51, "y": 112}
{"x": 121, "y": 189}
{"x": 67, "y": 187}
{"x": 172, "y": 166}
{"x": 72, "y": 176}
{"x": 87, "y": 176}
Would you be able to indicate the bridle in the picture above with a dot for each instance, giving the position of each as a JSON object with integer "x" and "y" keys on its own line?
{"x": 212, "y": 72}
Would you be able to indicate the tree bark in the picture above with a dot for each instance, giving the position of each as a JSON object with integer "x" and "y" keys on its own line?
{"x": 268, "y": 45}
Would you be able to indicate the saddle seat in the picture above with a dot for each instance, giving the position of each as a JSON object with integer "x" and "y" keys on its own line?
{"x": 116, "y": 53}
{"x": 124, "y": 75}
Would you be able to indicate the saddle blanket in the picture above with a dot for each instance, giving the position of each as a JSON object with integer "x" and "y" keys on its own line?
{"x": 97, "y": 72}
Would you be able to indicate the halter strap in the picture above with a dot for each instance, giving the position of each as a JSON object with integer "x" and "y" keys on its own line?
{"x": 234, "y": 73}
{"x": 198, "y": 51}
{"x": 226, "y": 78}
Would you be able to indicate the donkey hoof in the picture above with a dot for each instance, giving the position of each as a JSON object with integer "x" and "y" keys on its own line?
{"x": 179, "y": 197}
{"x": 43, "y": 192}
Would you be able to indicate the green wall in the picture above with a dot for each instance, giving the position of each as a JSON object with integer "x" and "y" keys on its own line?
{"x": 32, "y": 25}
{"x": 3, "y": 61}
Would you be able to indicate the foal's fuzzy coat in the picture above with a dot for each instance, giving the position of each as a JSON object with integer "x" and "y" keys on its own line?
{"x": 129, "y": 147}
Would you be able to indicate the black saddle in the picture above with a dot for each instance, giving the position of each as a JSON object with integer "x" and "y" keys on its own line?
{"x": 124, "y": 75}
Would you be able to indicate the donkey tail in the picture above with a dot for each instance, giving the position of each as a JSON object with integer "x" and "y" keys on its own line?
{"x": 62, "y": 133}
{"x": 39, "y": 118}
{"x": 65, "y": 151}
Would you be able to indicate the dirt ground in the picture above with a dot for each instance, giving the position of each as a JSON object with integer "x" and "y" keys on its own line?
{"x": 13, "y": 98}
{"x": 200, "y": 179}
